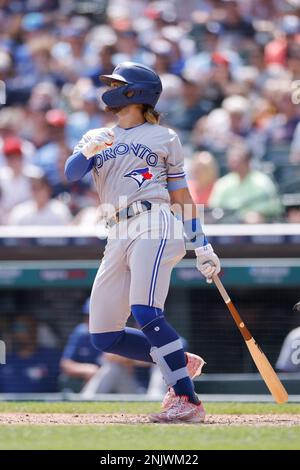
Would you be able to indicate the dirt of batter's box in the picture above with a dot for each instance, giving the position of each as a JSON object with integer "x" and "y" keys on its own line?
{"x": 120, "y": 418}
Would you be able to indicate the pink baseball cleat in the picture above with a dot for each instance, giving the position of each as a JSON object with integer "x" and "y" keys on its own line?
{"x": 180, "y": 411}
{"x": 194, "y": 366}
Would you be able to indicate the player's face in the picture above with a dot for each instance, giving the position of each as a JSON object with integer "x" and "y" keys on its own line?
{"x": 124, "y": 110}
{"x": 116, "y": 84}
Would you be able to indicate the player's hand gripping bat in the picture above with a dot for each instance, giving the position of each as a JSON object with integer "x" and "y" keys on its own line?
{"x": 266, "y": 370}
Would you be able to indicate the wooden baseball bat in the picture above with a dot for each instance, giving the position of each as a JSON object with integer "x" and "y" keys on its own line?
{"x": 266, "y": 370}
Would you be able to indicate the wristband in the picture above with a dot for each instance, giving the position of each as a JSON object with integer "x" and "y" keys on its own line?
{"x": 194, "y": 233}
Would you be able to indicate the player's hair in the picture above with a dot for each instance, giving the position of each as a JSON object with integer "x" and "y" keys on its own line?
{"x": 150, "y": 114}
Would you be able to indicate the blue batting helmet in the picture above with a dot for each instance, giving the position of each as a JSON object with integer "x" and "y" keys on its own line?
{"x": 141, "y": 86}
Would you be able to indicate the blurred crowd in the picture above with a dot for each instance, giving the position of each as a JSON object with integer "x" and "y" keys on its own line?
{"x": 230, "y": 71}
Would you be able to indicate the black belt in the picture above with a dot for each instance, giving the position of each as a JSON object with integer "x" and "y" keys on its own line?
{"x": 135, "y": 208}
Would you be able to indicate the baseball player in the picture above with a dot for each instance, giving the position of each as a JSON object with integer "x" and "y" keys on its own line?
{"x": 137, "y": 167}
{"x": 289, "y": 357}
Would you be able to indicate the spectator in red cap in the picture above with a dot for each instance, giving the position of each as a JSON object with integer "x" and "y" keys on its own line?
{"x": 47, "y": 156}
{"x": 203, "y": 174}
{"x": 56, "y": 118}
{"x": 219, "y": 78}
{"x": 12, "y": 146}
{"x": 14, "y": 175}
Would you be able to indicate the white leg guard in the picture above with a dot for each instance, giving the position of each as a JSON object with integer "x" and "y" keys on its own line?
{"x": 158, "y": 356}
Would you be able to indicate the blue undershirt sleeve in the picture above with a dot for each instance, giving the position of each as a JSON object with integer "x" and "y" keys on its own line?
{"x": 77, "y": 166}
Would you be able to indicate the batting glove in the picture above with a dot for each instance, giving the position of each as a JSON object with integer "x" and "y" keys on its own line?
{"x": 208, "y": 262}
{"x": 102, "y": 140}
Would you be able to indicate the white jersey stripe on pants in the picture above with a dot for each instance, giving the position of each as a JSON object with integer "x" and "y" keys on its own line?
{"x": 158, "y": 257}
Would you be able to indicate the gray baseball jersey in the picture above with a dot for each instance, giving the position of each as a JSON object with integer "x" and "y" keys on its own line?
{"x": 137, "y": 165}
{"x": 136, "y": 270}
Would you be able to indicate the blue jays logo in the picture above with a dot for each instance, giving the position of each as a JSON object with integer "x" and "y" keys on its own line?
{"x": 140, "y": 175}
